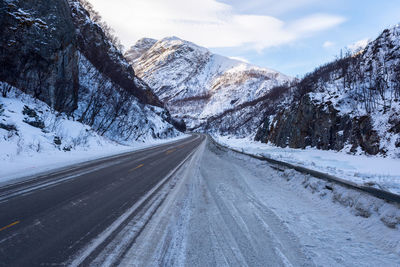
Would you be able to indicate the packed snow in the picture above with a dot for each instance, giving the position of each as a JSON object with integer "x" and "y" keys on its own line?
{"x": 374, "y": 171}
{"x": 34, "y": 138}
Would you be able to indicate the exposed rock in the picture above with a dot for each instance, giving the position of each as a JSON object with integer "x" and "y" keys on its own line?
{"x": 32, "y": 118}
{"x": 40, "y": 53}
{"x": 38, "y": 50}
{"x": 8, "y": 127}
{"x": 394, "y": 121}
{"x": 53, "y": 51}
{"x": 319, "y": 125}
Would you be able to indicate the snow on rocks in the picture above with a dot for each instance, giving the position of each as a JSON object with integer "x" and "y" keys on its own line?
{"x": 196, "y": 84}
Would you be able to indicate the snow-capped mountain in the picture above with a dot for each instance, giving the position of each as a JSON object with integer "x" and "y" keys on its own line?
{"x": 195, "y": 84}
{"x": 350, "y": 104}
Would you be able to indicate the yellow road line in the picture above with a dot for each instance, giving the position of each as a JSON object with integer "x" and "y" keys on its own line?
{"x": 139, "y": 166}
{"x": 170, "y": 151}
{"x": 10, "y": 225}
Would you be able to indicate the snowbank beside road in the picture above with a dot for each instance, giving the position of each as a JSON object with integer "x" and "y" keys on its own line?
{"x": 31, "y": 164}
{"x": 383, "y": 173}
{"x": 34, "y": 138}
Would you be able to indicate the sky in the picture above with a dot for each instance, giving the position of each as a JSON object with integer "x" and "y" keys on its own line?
{"x": 291, "y": 36}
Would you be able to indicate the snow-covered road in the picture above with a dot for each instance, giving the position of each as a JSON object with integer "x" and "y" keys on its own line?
{"x": 226, "y": 209}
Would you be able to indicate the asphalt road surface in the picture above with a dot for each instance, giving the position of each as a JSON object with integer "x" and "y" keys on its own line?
{"x": 46, "y": 219}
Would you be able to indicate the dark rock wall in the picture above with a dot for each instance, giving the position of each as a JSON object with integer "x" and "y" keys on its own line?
{"x": 306, "y": 123}
{"x": 38, "y": 50}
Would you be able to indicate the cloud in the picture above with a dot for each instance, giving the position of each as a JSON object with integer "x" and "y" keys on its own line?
{"x": 268, "y": 7}
{"x": 328, "y": 44}
{"x": 240, "y": 59}
{"x": 208, "y": 23}
{"x": 316, "y": 23}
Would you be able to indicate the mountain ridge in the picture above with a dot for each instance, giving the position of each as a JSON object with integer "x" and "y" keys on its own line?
{"x": 196, "y": 84}
{"x": 350, "y": 104}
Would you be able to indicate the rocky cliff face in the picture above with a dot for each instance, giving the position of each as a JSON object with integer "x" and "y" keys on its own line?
{"x": 351, "y": 104}
{"x": 53, "y": 51}
{"x": 94, "y": 45}
{"x": 38, "y": 50}
{"x": 312, "y": 124}
{"x": 40, "y": 55}
{"x": 198, "y": 86}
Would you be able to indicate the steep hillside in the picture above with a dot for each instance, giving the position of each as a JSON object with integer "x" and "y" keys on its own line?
{"x": 99, "y": 50}
{"x": 351, "y": 104}
{"x": 54, "y": 52}
{"x": 195, "y": 84}
{"x": 245, "y": 119}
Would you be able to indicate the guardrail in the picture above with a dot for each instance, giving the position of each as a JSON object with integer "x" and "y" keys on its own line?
{"x": 379, "y": 193}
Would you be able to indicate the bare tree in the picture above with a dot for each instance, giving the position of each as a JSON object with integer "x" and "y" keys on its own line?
{"x": 5, "y": 89}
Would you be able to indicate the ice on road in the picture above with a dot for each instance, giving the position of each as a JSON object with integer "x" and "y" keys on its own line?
{"x": 229, "y": 210}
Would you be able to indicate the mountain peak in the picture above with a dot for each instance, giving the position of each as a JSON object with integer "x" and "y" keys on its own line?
{"x": 196, "y": 84}
{"x": 139, "y": 48}
{"x": 174, "y": 41}
{"x": 145, "y": 42}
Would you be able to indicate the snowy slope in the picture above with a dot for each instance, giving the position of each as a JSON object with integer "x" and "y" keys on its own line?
{"x": 351, "y": 104}
{"x": 196, "y": 84}
{"x": 113, "y": 112}
{"x": 34, "y": 136}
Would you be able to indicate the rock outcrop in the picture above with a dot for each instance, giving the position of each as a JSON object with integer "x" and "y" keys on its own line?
{"x": 310, "y": 124}
{"x": 38, "y": 50}
{"x": 352, "y": 103}
{"x": 53, "y": 51}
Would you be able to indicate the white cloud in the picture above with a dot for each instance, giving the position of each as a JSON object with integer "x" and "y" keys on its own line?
{"x": 315, "y": 23}
{"x": 328, "y": 44}
{"x": 240, "y": 59}
{"x": 269, "y": 7}
{"x": 208, "y": 23}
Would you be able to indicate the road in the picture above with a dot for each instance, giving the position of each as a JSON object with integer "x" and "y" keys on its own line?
{"x": 47, "y": 219}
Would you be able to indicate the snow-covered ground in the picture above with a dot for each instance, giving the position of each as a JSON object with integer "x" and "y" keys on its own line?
{"x": 375, "y": 171}
{"x": 34, "y": 138}
{"x": 226, "y": 209}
